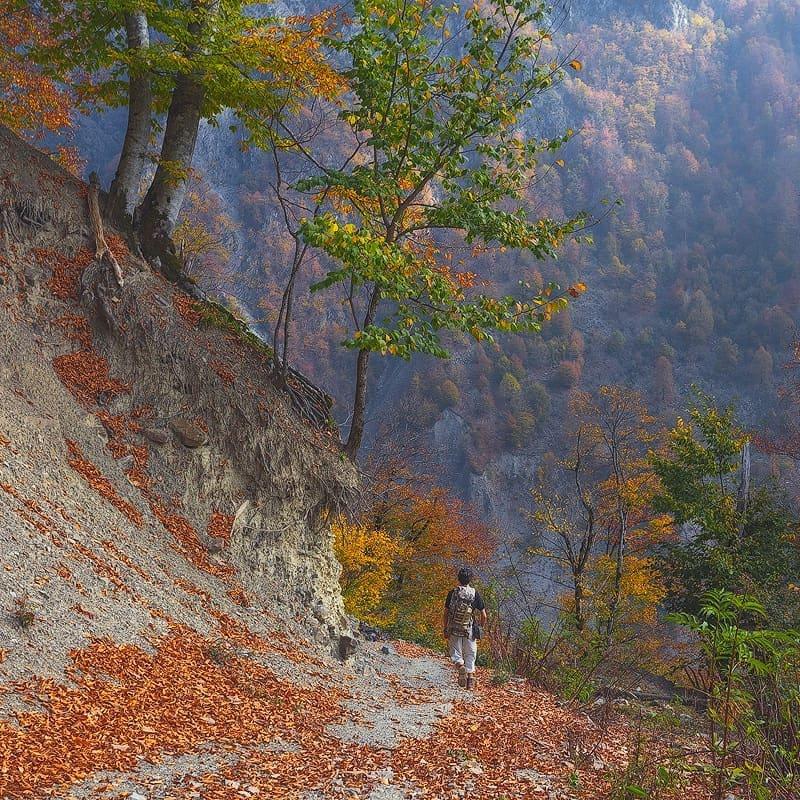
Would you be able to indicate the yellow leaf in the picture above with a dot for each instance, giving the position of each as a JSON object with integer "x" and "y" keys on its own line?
{"x": 576, "y": 65}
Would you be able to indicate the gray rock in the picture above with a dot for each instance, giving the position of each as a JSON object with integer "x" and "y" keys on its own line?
{"x": 386, "y": 650}
{"x": 214, "y": 544}
{"x": 32, "y": 273}
{"x": 386, "y": 793}
{"x": 534, "y": 776}
{"x": 126, "y": 463}
{"x": 347, "y": 646}
{"x": 156, "y": 435}
{"x": 189, "y": 434}
{"x": 136, "y": 796}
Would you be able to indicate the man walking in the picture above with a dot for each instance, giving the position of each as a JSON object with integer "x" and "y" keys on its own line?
{"x": 464, "y": 614}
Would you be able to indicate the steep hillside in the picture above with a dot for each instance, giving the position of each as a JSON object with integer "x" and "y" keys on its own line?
{"x": 172, "y": 404}
{"x": 169, "y": 596}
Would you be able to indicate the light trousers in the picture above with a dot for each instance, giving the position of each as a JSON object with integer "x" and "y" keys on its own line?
{"x": 463, "y": 650}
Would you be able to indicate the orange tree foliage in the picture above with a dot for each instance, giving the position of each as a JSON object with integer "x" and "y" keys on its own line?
{"x": 434, "y": 534}
{"x": 368, "y": 558}
{"x": 400, "y": 558}
{"x": 30, "y": 101}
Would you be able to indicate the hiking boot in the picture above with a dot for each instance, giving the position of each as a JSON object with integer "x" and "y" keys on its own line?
{"x": 470, "y": 682}
{"x": 462, "y": 676}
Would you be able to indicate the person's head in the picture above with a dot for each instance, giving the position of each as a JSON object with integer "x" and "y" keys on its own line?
{"x": 465, "y": 576}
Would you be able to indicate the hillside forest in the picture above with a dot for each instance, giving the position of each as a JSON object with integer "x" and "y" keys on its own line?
{"x": 543, "y": 264}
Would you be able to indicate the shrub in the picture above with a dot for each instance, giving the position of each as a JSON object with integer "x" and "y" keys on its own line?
{"x": 520, "y": 426}
{"x": 448, "y": 394}
{"x": 616, "y": 342}
{"x": 509, "y": 387}
{"x": 23, "y": 612}
{"x": 567, "y": 374}
{"x": 500, "y": 677}
{"x": 751, "y": 676}
{"x": 537, "y": 400}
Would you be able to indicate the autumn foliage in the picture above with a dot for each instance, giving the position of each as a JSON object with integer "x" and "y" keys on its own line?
{"x": 400, "y": 559}
{"x": 30, "y": 102}
{"x": 367, "y": 557}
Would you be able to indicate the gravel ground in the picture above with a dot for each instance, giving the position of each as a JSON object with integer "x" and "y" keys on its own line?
{"x": 375, "y": 713}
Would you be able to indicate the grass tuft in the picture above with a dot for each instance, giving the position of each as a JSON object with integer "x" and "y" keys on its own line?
{"x": 214, "y": 315}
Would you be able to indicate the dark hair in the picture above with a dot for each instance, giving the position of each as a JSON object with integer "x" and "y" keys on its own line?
{"x": 465, "y": 575}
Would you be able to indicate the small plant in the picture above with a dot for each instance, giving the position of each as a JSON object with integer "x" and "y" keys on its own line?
{"x": 650, "y": 772}
{"x": 750, "y": 676}
{"x": 482, "y": 659}
{"x": 23, "y": 613}
{"x": 574, "y": 684}
{"x": 214, "y": 315}
{"x": 219, "y": 653}
{"x": 500, "y": 677}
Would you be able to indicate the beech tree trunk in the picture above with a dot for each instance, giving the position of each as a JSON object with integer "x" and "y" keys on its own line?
{"x": 124, "y": 192}
{"x": 158, "y": 214}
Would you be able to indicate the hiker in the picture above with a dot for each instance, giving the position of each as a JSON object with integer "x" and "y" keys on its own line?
{"x": 464, "y": 613}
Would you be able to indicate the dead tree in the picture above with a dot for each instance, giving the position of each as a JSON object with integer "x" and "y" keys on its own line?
{"x": 102, "y": 280}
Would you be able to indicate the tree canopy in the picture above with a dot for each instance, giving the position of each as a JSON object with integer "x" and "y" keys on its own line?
{"x": 435, "y": 110}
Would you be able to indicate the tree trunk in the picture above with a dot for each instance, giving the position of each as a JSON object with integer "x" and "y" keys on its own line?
{"x": 124, "y": 192}
{"x": 356, "y": 434}
{"x": 616, "y": 598}
{"x": 743, "y": 495}
{"x": 578, "y": 597}
{"x": 158, "y": 214}
{"x": 103, "y": 254}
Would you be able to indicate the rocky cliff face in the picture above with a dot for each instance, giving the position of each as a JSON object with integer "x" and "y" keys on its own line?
{"x": 663, "y": 13}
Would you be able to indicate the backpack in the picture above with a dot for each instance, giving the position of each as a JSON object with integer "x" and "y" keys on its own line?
{"x": 459, "y": 617}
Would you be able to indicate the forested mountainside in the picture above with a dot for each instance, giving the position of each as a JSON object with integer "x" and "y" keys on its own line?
{"x": 695, "y": 278}
{"x": 531, "y": 253}
{"x": 688, "y": 114}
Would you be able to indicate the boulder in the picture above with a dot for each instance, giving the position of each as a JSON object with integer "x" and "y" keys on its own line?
{"x": 126, "y": 463}
{"x": 347, "y": 646}
{"x": 213, "y": 544}
{"x": 156, "y": 435}
{"x": 189, "y": 433}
